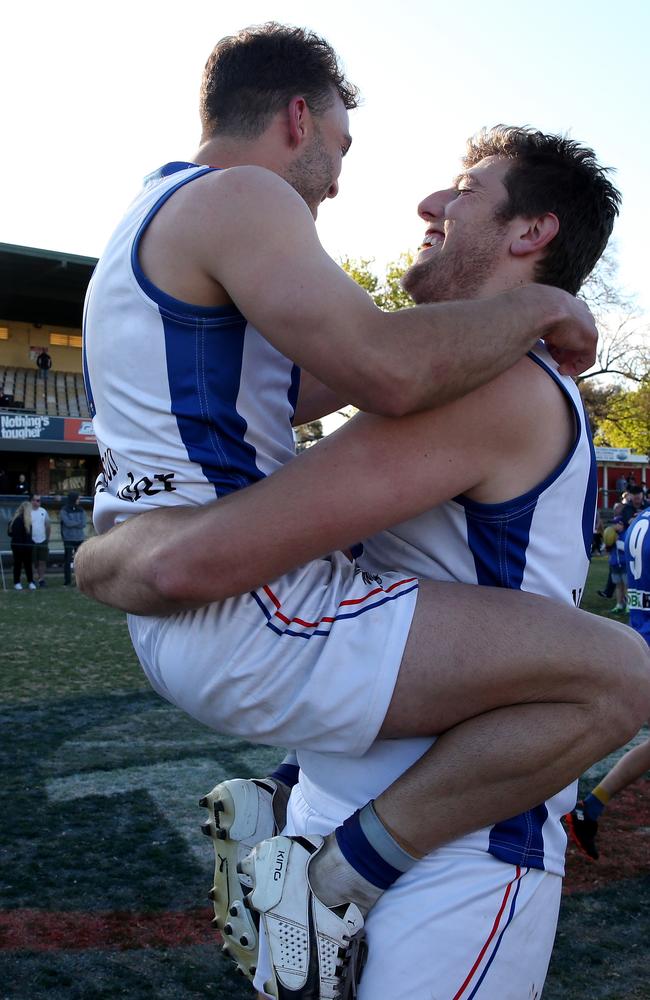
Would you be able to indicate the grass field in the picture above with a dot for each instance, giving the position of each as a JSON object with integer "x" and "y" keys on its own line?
{"x": 104, "y": 873}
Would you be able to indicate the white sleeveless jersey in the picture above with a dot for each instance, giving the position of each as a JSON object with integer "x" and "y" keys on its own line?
{"x": 539, "y": 542}
{"x": 188, "y": 402}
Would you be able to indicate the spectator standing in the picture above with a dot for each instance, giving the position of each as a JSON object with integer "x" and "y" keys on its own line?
{"x": 583, "y": 821}
{"x": 22, "y": 486}
{"x": 621, "y": 486}
{"x": 73, "y": 524}
{"x": 610, "y": 587}
{"x": 617, "y": 567}
{"x": 636, "y": 502}
{"x": 40, "y": 536}
{"x": 20, "y": 532}
{"x": 44, "y": 363}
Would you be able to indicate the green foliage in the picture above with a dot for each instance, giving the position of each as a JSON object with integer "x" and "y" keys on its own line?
{"x": 598, "y": 398}
{"x": 387, "y": 292}
{"x": 359, "y": 270}
{"x": 627, "y": 423}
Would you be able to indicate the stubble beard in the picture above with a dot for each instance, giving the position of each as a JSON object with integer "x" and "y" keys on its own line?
{"x": 312, "y": 174}
{"x": 460, "y": 273}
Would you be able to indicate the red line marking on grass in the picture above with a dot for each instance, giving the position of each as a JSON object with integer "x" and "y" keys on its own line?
{"x": 47, "y": 930}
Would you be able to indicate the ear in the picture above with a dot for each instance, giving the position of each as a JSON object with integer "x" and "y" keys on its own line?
{"x": 534, "y": 234}
{"x": 298, "y": 115}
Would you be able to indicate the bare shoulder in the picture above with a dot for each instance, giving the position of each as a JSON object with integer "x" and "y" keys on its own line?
{"x": 527, "y": 426}
{"x": 221, "y": 230}
{"x": 245, "y": 188}
{"x": 527, "y": 390}
{"x": 223, "y": 204}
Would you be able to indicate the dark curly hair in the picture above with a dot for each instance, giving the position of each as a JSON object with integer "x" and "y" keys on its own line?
{"x": 552, "y": 173}
{"x": 250, "y": 76}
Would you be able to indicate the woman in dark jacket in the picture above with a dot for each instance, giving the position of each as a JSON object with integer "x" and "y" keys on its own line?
{"x": 20, "y": 532}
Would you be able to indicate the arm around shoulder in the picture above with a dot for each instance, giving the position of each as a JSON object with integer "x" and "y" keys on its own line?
{"x": 259, "y": 242}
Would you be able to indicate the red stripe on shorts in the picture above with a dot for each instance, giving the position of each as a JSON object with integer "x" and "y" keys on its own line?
{"x": 491, "y": 935}
{"x": 353, "y": 600}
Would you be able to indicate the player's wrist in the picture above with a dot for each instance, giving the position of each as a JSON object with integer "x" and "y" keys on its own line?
{"x": 551, "y": 306}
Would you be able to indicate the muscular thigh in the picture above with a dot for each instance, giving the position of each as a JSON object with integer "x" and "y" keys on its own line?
{"x": 472, "y": 649}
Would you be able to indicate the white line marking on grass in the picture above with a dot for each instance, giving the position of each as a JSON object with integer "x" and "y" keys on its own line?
{"x": 175, "y": 788}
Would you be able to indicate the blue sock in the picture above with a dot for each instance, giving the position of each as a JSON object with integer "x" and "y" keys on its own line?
{"x": 368, "y": 847}
{"x": 287, "y": 771}
{"x": 593, "y": 807}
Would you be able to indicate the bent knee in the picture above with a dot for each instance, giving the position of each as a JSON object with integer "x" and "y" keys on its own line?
{"x": 626, "y": 692}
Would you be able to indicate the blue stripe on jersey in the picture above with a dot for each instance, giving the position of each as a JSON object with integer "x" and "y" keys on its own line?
{"x": 637, "y": 558}
{"x": 519, "y": 840}
{"x": 498, "y": 541}
{"x": 204, "y": 347}
{"x": 204, "y": 366}
{"x": 294, "y": 389}
{"x": 498, "y": 537}
{"x": 155, "y": 293}
{"x": 591, "y": 493}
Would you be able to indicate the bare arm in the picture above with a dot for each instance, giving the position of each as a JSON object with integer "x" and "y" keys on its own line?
{"x": 255, "y": 238}
{"x": 315, "y": 400}
{"x": 370, "y": 474}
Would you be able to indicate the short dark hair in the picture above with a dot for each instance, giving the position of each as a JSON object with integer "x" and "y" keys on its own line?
{"x": 552, "y": 173}
{"x": 250, "y": 76}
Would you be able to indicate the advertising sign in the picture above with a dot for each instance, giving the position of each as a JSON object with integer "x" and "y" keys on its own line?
{"x": 36, "y": 426}
{"x": 78, "y": 429}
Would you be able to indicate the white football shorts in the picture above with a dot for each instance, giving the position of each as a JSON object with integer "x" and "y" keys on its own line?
{"x": 459, "y": 925}
{"x": 308, "y": 661}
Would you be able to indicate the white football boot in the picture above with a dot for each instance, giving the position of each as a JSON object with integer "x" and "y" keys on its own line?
{"x": 241, "y": 815}
{"x": 316, "y": 953}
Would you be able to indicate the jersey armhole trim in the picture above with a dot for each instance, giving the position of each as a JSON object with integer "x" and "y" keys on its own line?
{"x": 175, "y": 307}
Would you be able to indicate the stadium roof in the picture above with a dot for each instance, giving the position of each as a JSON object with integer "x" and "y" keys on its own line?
{"x": 43, "y": 286}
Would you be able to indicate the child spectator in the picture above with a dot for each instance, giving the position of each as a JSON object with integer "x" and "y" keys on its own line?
{"x": 617, "y": 565}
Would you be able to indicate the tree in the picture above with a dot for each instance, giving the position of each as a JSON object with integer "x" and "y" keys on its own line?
{"x": 386, "y": 292}
{"x": 623, "y": 348}
{"x": 599, "y": 398}
{"x": 626, "y": 424}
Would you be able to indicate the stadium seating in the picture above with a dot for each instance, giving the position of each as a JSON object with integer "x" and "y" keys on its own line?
{"x": 64, "y": 396}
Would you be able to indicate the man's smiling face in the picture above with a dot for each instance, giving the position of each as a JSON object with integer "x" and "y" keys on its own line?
{"x": 465, "y": 242}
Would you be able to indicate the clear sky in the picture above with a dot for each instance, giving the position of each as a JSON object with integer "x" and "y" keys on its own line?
{"x": 97, "y": 94}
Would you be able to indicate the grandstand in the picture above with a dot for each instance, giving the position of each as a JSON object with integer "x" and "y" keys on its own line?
{"x": 45, "y": 430}
{"x": 62, "y": 396}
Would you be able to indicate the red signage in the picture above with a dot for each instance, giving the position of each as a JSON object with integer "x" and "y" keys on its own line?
{"x": 78, "y": 429}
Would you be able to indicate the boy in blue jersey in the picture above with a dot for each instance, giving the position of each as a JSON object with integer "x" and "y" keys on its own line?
{"x": 459, "y": 670}
{"x": 617, "y": 568}
{"x": 583, "y": 820}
